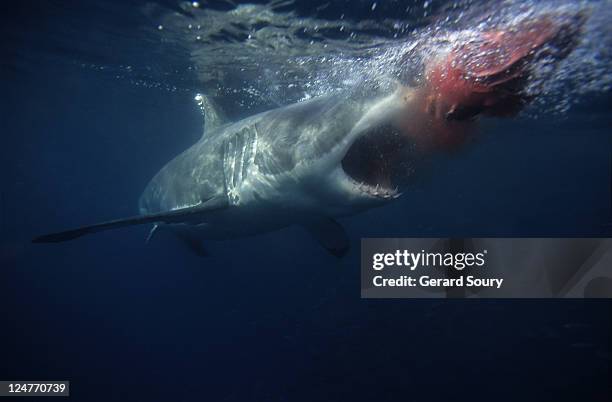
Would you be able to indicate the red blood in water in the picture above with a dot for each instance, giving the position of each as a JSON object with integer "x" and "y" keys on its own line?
{"x": 484, "y": 77}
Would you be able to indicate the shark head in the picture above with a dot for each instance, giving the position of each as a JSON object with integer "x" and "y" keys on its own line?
{"x": 370, "y": 161}
{"x": 345, "y": 153}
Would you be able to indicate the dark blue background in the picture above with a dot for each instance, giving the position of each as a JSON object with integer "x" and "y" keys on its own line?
{"x": 273, "y": 317}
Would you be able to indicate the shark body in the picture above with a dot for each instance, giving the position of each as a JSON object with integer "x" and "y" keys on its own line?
{"x": 269, "y": 171}
{"x": 275, "y": 169}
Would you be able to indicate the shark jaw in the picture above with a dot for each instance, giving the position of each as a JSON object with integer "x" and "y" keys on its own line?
{"x": 372, "y": 162}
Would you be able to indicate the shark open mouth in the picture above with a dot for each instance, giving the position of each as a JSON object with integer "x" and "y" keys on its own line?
{"x": 373, "y": 161}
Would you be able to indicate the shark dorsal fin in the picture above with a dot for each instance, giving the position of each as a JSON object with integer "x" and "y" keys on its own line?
{"x": 213, "y": 116}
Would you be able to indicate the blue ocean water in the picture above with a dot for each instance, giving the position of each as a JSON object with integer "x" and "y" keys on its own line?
{"x": 96, "y": 99}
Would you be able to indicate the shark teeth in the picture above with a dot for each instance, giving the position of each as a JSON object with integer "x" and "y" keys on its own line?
{"x": 378, "y": 191}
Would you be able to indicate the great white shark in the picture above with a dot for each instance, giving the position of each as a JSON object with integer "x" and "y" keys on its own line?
{"x": 336, "y": 155}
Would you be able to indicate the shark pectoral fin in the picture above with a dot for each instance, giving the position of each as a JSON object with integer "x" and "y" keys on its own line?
{"x": 192, "y": 242}
{"x": 330, "y": 235}
{"x": 175, "y": 216}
